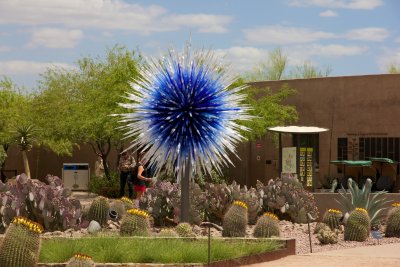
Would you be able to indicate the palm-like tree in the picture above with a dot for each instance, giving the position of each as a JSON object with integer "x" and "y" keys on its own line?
{"x": 25, "y": 138}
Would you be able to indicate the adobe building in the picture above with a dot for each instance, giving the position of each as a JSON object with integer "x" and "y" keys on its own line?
{"x": 362, "y": 114}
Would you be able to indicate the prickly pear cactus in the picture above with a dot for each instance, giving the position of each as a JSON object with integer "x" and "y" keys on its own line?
{"x": 327, "y": 236}
{"x": 80, "y": 260}
{"x": 332, "y": 218}
{"x": 135, "y": 223}
{"x": 358, "y": 226}
{"x": 393, "y": 221}
{"x": 235, "y": 220}
{"x": 21, "y": 244}
{"x": 168, "y": 233}
{"x": 98, "y": 210}
{"x": 267, "y": 226}
{"x": 184, "y": 230}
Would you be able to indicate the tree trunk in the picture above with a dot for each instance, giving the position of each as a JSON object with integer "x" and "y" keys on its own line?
{"x": 103, "y": 150}
{"x": 3, "y": 177}
{"x": 26, "y": 164}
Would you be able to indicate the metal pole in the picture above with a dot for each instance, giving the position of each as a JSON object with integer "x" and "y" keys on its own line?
{"x": 209, "y": 245}
{"x": 185, "y": 185}
{"x": 309, "y": 232}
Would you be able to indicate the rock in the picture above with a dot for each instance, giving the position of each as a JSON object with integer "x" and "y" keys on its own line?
{"x": 57, "y": 233}
{"x": 93, "y": 227}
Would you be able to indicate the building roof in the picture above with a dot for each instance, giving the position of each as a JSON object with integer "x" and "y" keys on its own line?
{"x": 297, "y": 129}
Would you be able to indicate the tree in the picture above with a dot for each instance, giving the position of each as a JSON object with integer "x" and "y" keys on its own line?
{"x": 25, "y": 138}
{"x": 14, "y": 106}
{"x": 393, "y": 69}
{"x": 78, "y": 103}
{"x": 276, "y": 67}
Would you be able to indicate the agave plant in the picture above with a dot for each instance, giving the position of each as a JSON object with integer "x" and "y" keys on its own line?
{"x": 360, "y": 198}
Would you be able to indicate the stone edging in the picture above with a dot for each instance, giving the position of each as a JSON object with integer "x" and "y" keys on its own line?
{"x": 290, "y": 249}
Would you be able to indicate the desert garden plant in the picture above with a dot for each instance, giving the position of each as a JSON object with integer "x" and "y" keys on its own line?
{"x": 358, "y": 226}
{"x": 267, "y": 226}
{"x": 48, "y": 204}
{"x": 235, "y": 220}
{"x": 393, "y": 221}
{"x": 151, "y": 250}
{"x": 362, "y": 198}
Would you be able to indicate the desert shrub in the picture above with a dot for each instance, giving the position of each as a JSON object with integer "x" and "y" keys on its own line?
{"x": 287, "y": 198}
{"x": 48, "y": 204}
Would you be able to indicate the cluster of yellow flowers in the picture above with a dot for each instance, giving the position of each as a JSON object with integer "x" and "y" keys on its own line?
{"x": 31, "y": 225}
{"x": 362, "y": 209}
{"x": 240, "y": 203}
{"x": 334, "y": 211}
{"x": 138, "y": 212}
{"x": 127, "y": 200}
{"x": 396, "y": 204}
{"x": 273, "y": 216}
{"x": 80, "y": 256}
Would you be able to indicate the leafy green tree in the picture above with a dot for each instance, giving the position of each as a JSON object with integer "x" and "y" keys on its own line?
{"x": 14, "y": 106}
{"x": 393, "y": 69}
{"x": 276, "y": 67}
{"x": 78, "y": 103}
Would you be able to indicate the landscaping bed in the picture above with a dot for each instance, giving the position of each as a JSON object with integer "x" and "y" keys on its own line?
{"x": 154, "y": 250}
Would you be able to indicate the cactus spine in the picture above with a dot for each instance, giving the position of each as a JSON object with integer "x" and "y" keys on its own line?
{"x": 21, "y": 244}
{"x": 184, "y": 230}
{"x": 235, "y": 220}
{"x": 327, "y": 236}
{"x": 332, "y": 218}
{"x": 80, "y": 260}
{"x": 98, "y": 210}
{"x": 135, "y": 223}
{"x": 358, "y": 226}
{"x": 321, "y": 226}
{"x": 393, "y": 222}
{"x": 267, "y": 226}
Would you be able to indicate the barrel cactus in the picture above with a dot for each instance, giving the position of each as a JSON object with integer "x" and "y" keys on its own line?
{"x": 98, "y": 210}
{"x": 327, "y": 236}
{"x": 21, "y": 244}
{"x": 135, "y": 223}
{"x": 80, "y": 260}
{"x": 235, "y": 220}
{"x": 128, "y": 203}
{"x": 393, "y": 221}
{"x": 184, "y": 230}
{"x": 332, "y": 218}
{"x": 358, "y": 226}
{"x": 321, "y": 226}
{"x": 267, "y": 226}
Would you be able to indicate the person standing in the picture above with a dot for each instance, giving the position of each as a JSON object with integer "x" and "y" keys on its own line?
{"x": 139, "y": 178}
{"x": 125, "y": 166}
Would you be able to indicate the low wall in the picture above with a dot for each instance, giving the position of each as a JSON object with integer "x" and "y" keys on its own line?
{"x": 327, "y": 201}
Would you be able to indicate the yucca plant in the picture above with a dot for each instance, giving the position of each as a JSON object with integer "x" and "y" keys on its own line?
{"x": 25, "y": 138}
{"x": 360, "y": 198}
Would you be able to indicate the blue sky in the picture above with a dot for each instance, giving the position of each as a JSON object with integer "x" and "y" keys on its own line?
{"x": 353, "y": 37}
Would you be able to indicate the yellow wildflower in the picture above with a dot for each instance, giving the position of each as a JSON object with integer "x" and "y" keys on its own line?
{"x": 80, "y": 256}
{"x": 396, "y": 204}
{"x": 127, "y": 200}
{"x": 31, "y": 225}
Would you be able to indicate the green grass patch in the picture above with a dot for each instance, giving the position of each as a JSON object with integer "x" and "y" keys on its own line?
{"x": 151, "y": 250}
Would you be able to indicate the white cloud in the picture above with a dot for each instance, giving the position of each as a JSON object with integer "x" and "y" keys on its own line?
{"x": 388, "y": 57}
{"x": 328, "y": 13}
{"x": 242, "y": 58}
{"x": 348, "y": 4}
{"x": 331, "y": 50}
{"x": 21, "y": 67}
{"x": 368, "y": 34}
{"x": 107, "y": 15}
{"x": 281, "y": 35}
{"x": 55, "y": 38}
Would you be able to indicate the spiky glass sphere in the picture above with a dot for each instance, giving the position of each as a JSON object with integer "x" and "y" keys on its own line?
{"x": 182, "y": 108}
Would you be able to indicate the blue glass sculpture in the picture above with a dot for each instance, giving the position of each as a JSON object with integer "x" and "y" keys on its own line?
{"x": 183, "y": 111}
